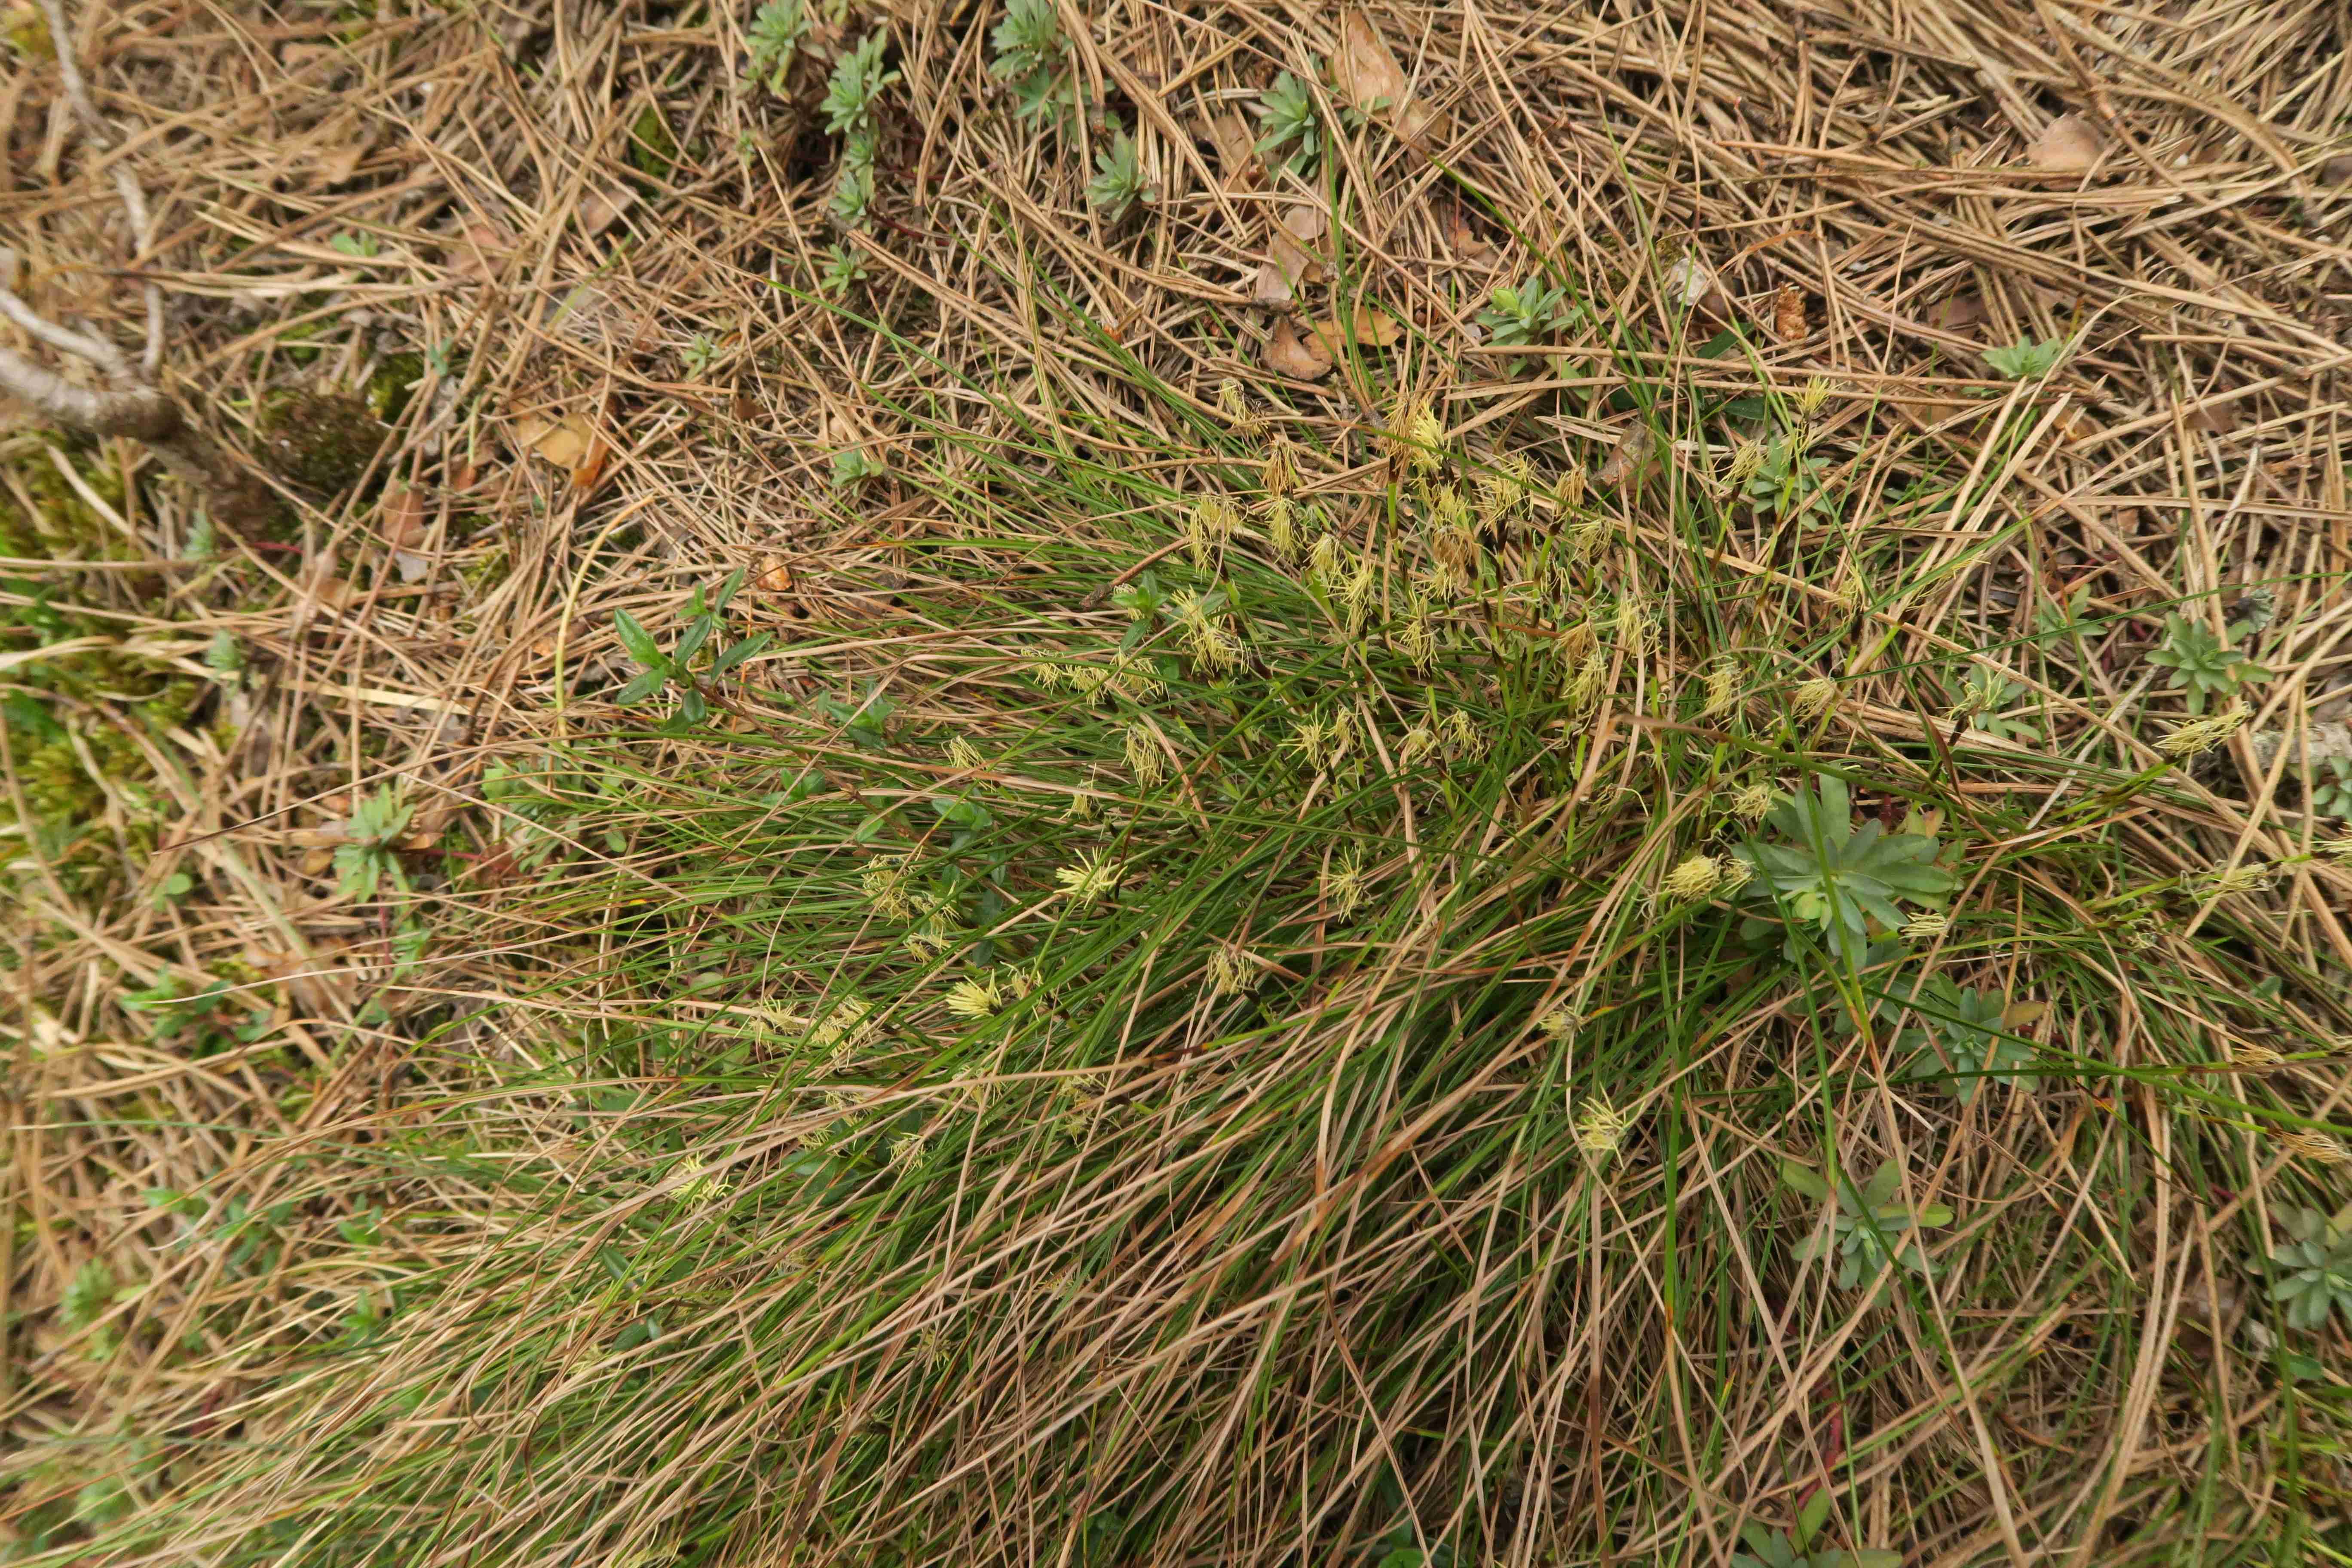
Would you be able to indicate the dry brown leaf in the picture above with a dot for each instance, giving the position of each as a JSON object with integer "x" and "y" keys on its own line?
{"x": 1463, "y": 240}
{"x": 1237, "y": 164}
{"x": 1789, "y": 314}
{"x": 1288, "y": 265}
{"x": 404, "y": 519}
{"x": 2019, "y": 1014}
{"x": 775, "y": 576}
{"x": 2068, "y": 145}
{"x": 2215, "y": 418}
{"x": 478, "y": 251}
{"x": 2336, "y": 171}
{"x": 1289, "y": 355}
{"x": 1634, "y": 452}
{"x": 1959, "y": 313}
{"x": 590, "y": 469}
{"x": 1370, "y": 329}
{"x": 1692, "y": 284}
{"x": 339, "y": 148}
{"x": 597, "y": 210}
{"x": 1368, "y": 75}
{"x": 564, "y": 442}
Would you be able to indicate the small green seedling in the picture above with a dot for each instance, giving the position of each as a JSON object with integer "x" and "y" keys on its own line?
{"x": 1118, "y": 184}
{"x": 658, "y": 670}
{"x": 1529, "y": 313}
{"x": 2026, "y": 359}
{"x": 1031, "y": 54}
{"x": 1986, "y": 699}
{"x": 1837, "y": 876}
{"x": 2315, "y": 1269}
{"x": 699, "y": 355}
{"x": 1788, "y": 482}
{"x": 1970, "y": 1025}
{"x": 843, "y": 267}
{"x": 858, "y": 81}
{"x": 1286, "y": 118}
{"x": 1800, "y": 1545}
{"x": 2208, "y": 662}
{"x": 365, "y": 859}
{"x": 1867, "y": 1228}
{"x": 358, "y": 245}
{"x": 776, "y": 35}
{"x": 2331, "y": 787}
{"x": 852, "y": 467}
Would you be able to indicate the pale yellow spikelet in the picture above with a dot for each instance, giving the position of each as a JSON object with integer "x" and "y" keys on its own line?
{"x": 1144, "y": 758}
{"x": 1752, "y": 803}
{"x": 847, "y": 1029}
{"x": 1343, "y": 884}
{"x": 906, "y": 1148}
{"x": 1413, "y": 640}
{"x": 1561, "y": 1024}
{"x": 1810, "y": 400}
{"x": 884, "y": 882}
{"x": 1093, "y": 877}
{"x": 2255, "y": 1056}
{"x": 1233, "y": 404}
{"x": 1229, "y": 970}
{"x": 1281, "y": 475}
{"x": 1052, "y": 677}
{"x": 1600, "y": 1130}
{"x": 1591, "y": 678}
{"x": 935, "y": 931}
{"x": 1695, "y": 877}
{"x": 1426, "y": 434}
{"x": 1813, "y": 698}
{"x": 1419, "y": 741}
{"x": 1462, "y": 732}
{"x": 2201, "y": 735}
{"x": 1851, "y": 591}
{"x": 1747, "y": 461}
{"x": 1282, "y": 529}
{"x": 2303, "y": 1144}
{"x": 1927, "y": 925}
{"x": 2232, "y": 881}
{"x": 964, "y": 757}
{"x": 1324, "y": 559}
{"x": 975, "y": 996}
{"x": 1722, "y": 689}
{"x": 2338, "y": 847}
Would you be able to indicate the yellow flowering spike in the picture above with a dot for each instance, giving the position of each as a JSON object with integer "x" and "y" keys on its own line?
{"x": 885, "y": 885}
{"x": 1144, "y": 757}
{"x": 1600, "y": 1130}
{"x": 1752, "y": 804}
{"x": 1926, "y": 926}
{"x": 1722, "y": 689}
{"x": 1815, "y": 698}
{"x": 1427, "y": 434}
{"x": 1229, "y": 970}
{"x": 1695, "y": 878}
{"x": 1091, "y": 878}
{"x": 977, "y": 996}
{"x": 1561, "y": 1024}
{"x": 2314, "y": 1146}
{"x": 1343, "y": 884}
{"x": 963, "y": 756}
{"x": 1282, "y": 529}
{"x": 2201, "y": 735}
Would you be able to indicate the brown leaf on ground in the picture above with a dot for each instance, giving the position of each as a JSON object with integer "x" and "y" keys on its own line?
{"x": 1463, "y": 239}
{"x": 2019, "y": 1016}
{"x": 1789, "y": 314}
{"x": 1636, "y": 450}
{"x": 1288, "y": 266}
{"x": 564, "y": 442}
{"x": 597, "y": 210}
{"x": 1367, "y": 74}
{"x": 1289, "y": 355}
{"x": 2336, "y": 171}
{"x": 1959, "y": 313}
{"x": 404, "y": 519}
{"x": 2068, "y": 145}
{"x": 1237, "y": 164}
{"x": 1691, "y": 283}
{"x": 478, "y": 252}
{"x": 1369, "y": 327}
{"x": 339, "y": 147}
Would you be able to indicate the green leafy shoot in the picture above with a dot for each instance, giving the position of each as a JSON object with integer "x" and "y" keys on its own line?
{"x": 365, "y": 859}
{"x": 1033, "y": 55}
{"x": 1839, "y": 878}
{"x": 656, "y": 670}
{"x": 853, "y": 192}
{"x": 1118, "y": 184}
{"x": 776, "y": 33}
{"x": 1800, "y": 1545}
{"x": 2208, "y": 662}
{"x": 858, "y": 79}
{"x": 1867, "y": 1229}
{"x": 1967, "y": 1038}
{"x": 1527, "y": 314}
{"x": 844, "y": 268}
{"x": 1286, "y": 118}
{"x": 2026, "y": 359}
{"x": 1789, "y": 482}
{"x": 358, "y": 246}
{"x": 2331, "y": 787}
{"x": 852, "y": 467}
{"x": 699, "y": 355}
{"x": 2315, "y": 1269}
{"x": 1986, "y": 699}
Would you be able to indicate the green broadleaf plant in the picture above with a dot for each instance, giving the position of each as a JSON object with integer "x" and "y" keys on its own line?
{"x": 1800, "y": 1545}
{"x": 1867, "y": 1229}
{"x": 2316, "y": 1268}
{"x": 2209, "y": 663}
{"x": 1839, "y": 878}
{"x": 656, "y": 670}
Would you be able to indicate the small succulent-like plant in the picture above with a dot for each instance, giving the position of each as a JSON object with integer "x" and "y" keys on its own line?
{"x": 2315, "y": 1269}
{"x": 1970, "y": 1026}
{"x": 1837, "y": 876}
{"x": 1527, "y": 314}
{"x": 1868, "y": 1230}
{"x": 699, "y": 355}
{"x": 656, "y": 670}
{"x": 1799, "y": 1546}
{"x": 858, "y": 79}
{"x": 1031, "y": 54}
{"x": 2024, "y": 360}
{"x": 776, "y": 33}
{"x": 852, "y": 467}
{"x": 1986, "y": 699}
{"x": 2208, "y": 662}
{"x": 1286, "y": 118}
{"x": 1118, "y": 184}
{"x": 843, "y": 267}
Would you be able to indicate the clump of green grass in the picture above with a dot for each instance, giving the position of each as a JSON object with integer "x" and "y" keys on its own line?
{"x": 1249, "y": 1013}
